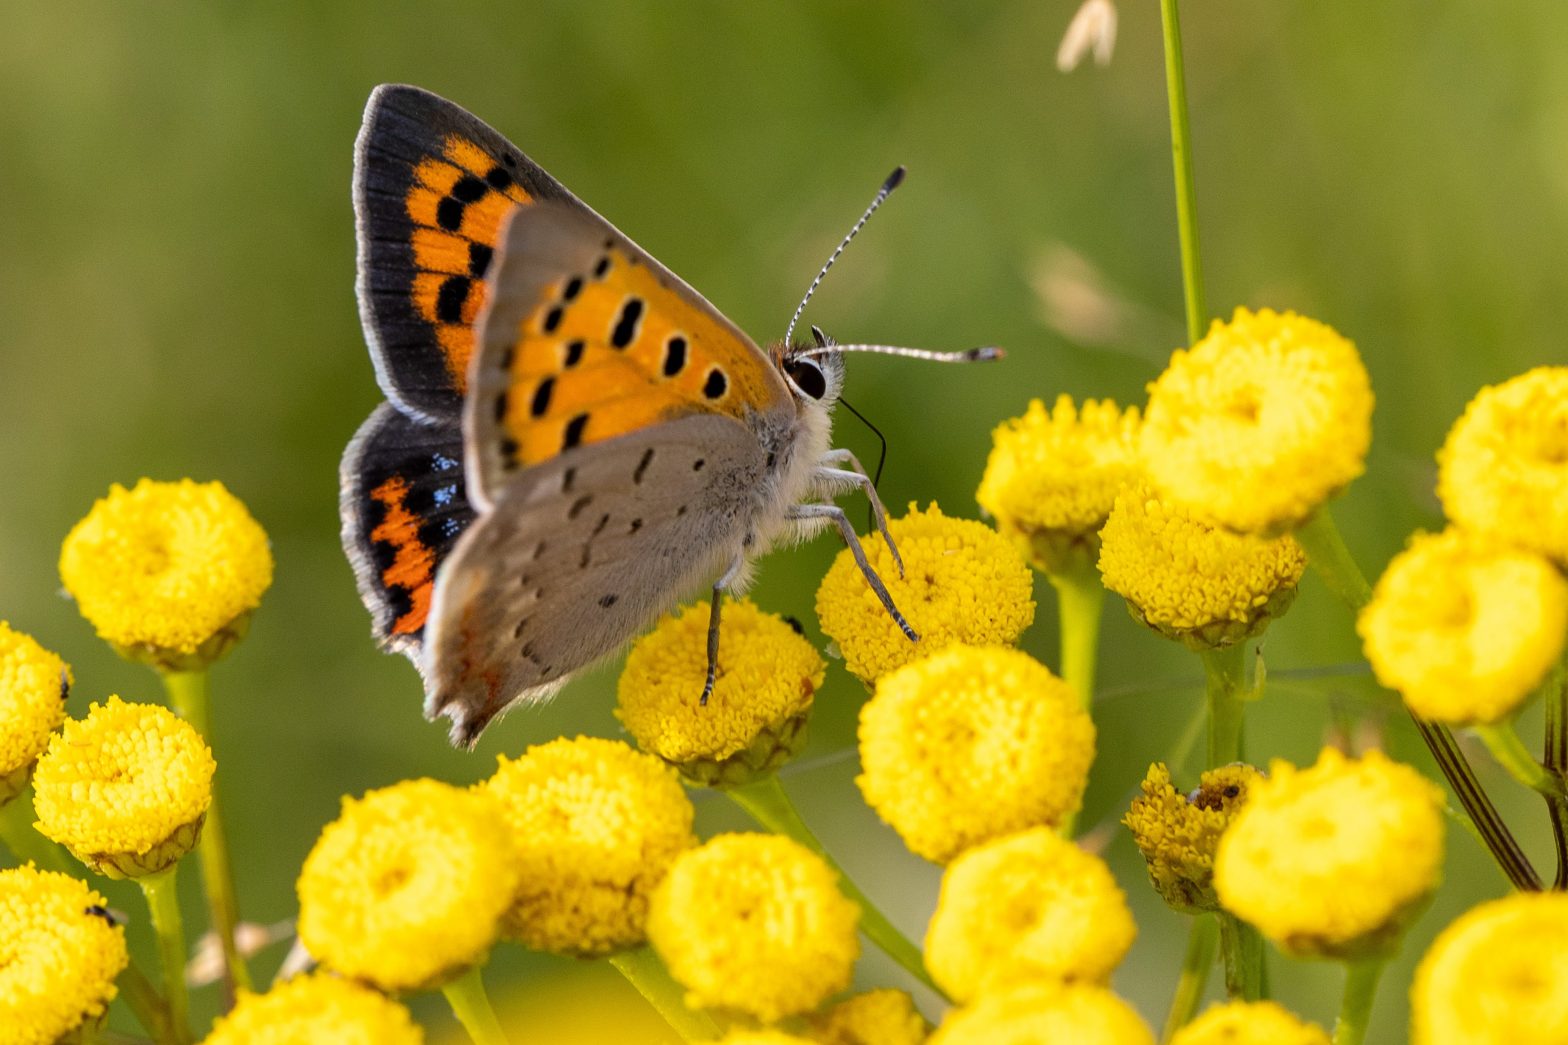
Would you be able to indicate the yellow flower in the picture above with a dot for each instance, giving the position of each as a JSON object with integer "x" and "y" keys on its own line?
{"x": 1030, "y": 907}
{"x": 755, "y": 924}
{"x": 407, "y": 887}
{"x": 1465, "y": 628}
{"x": 877, "y": 1017}
{"x": 1250, "y": 1023}
{"x": 1045, "y": 1014}
{"x": 755, "y": 719}
{"x": 1497, "y": 976}
{"x": 33, "y": 687}
{"x": 963, "y": 582}
{"x": 1052, "y": 477}
{"x": 1203, "y": 586}
{"x": 59, "y": 955}
{"x": 762, "y": 1037}
{"x": 972, "y": 744}
{"x": 125, "y": 789}
{"x": 595, "y": 826}
{"x": 316, "y": 1008}
{"x": 1260, "y": 422}
{"x": 1177, "y": 834}
{"x": 1504, "y": 469}
{"x": 1334, "y": 860}
{"x": 168, "y": 572}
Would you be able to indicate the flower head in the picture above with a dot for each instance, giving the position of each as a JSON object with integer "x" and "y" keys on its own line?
{"x": 1052, "y": 476}
{"x": 1250, "y": 1023}
{"x": 1030, "y": 907}
{"x": 125, "y": 789}
{"x": 59, "y": 955}
{"x": 168, "y": 572}
{"x": 1045, "y": 1014}
{"x": 755, "y": 718}
{"x": 1465, "y": 628}
{"x": 316, "y": 1008}
{"x": 1497, "y": 976}
{"x": 972, "y": 744}
{"x": 1504, "y": 469}
{"x": 1261, "y": 421}
{"x": 1333, "y": 860}
{"x": 406, "y": 888}
{"x": 877, "y": 1017}
{"x": 962, "y": 582}
{"x": 595, "y": 825}
{"x": 755, "y": 924}
{"x": 1178, "y": 834}
{"x": 33, "y": 686}
{"x": 1196, "y": 583}
{"x": 766, "y": 1036}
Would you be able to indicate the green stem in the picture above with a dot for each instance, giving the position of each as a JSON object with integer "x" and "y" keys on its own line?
{"x": 1355, "y": 1012}
{"x": 1202, "y": 935}
{"x": 1079, "y": 596}
{"x": 1331, "y": 559}
{"x": 471, "y": 1005}
{"x": 189, "y": 692}
{"x": 1504, "y": 744}
{"x": 1242, "y": 949}
{"x": 1556, "y": 760}
{"x": 163, "y": 900}
{"x": 24, "y": 841}
{"x": 643, "y": 970}
{"x": 145, "y": 1003}
{"x": 1181, "y": 158}
{"x": 765, "y": 800}
{"x": 1225, "y": 672}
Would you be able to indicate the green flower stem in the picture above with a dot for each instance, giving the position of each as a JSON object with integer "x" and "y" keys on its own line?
{"x": 24, "y": 841}
{"x": 1242, "y": 949}
{"x": 188, "y": 692}
{"x": 163, "y": 900}
{"x": 1556, "y": 760}
{"x": 1079, "y": 597}
{"x": 1328, "y": 555}
{"x": 1202, "y": 935}
{"x": 471, "y": 1005}
{"x": 1504, "y": 744}
{"x": 1181, "y": 157}
{"x": 765, "y": 800}
{"x": 643, "y": 970}
{"x": 145, "y": 1003}
{"x": 1356, "y": 1010}
{"x": 1225, "y": 671}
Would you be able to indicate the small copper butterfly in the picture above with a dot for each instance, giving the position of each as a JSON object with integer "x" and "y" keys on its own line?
{"x": 574, "y": 438}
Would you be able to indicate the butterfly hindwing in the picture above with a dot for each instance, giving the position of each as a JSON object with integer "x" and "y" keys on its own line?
{"x": 404, "y": 506}
{"x": 578, "y": 554}
{"x": 431, "y": 186}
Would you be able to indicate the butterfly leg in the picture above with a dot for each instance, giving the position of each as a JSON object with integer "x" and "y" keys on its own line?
{"x": 719, "y": 587}
{"x": 855, "y": 475}
{"x": 835, "y": 514}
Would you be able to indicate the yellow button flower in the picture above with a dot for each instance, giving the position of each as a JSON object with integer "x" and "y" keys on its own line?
{"x": 1030, "y": 907}
{"x": 316, "y": 1008}
{"x": 755, "y": 924}
{"x": 755, "y": 718}
{"x": 1045, "y": 1014}
{"x": 1178, "y": 834}
{"x": 963, "y": 582}
{"x": 59, "y": 955}
{"x": 1465, "y": 628}
{"x": 1334, "y": 860}
{"x": 1250, "y": 1023}
{"x": 33, "y": 687}
{"x": 972, "y": 744}
{"x": 125, "y": 789}
{"x": 1203, "y": 586}
{"x": 1504, "y": 469}
{"x": 1497, "y": 975}
{"x": 595, "y": 826}
{"x": 762, "y": 1037}
{"x": 877, "y": 1017}
{"x": 407, "y": 887}
{"x": 1052, "y": 476}
{"x": 1261, "y": 421}
{"x": 168, "y": 572}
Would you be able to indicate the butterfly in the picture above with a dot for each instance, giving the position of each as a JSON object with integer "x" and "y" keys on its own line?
{"x": 573, "y": 438}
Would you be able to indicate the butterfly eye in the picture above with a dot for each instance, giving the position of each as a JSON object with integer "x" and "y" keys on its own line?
{"x": 808, "y": 377}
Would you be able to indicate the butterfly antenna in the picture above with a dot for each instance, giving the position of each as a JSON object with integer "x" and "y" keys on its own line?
{"x": 984, "y": 354}
{"x": 876, "y": 476}
{"x": 887, "y": 188}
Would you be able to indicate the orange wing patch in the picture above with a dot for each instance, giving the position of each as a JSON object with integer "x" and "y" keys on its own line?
{"x": 458, "y": 200}
{"x": 412, "y": 566}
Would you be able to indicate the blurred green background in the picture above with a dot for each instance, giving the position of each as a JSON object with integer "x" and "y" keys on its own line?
{"x": 177, "y": 262}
